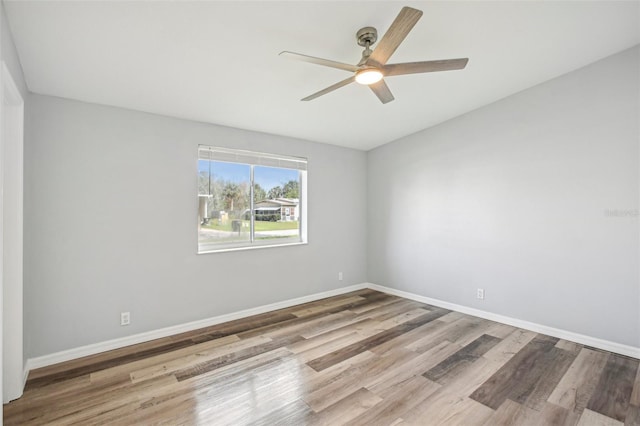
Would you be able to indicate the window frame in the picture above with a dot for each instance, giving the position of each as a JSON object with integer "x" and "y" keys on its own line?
{"x": 256, "y": 159}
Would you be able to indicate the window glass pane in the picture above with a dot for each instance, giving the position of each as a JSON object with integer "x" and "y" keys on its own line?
{"x": 224, "y": 203}
{"x": 276, "y": 203}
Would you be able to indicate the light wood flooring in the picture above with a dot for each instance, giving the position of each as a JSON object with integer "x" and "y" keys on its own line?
{"x": 364, "y": 358}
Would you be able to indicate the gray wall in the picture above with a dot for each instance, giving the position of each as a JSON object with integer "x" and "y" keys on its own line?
{"x": 111, "y": 220}
{"x": 533, "y": 198}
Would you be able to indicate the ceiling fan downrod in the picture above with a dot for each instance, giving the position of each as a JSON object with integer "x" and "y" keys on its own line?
{"x": 366, "y": 37}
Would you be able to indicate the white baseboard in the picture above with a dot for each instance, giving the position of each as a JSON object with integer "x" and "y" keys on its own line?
{"x": 538, "y": 328}
{"x": 75, "y": 353}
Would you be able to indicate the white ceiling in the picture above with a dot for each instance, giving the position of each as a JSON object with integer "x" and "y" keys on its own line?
{"x": 218, "y": 62}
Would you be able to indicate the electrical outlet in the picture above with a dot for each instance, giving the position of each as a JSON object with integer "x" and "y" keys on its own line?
{"x": 480, "y": 294}
{"x": 125, "y": 318}
{"x": 339, "y": 276}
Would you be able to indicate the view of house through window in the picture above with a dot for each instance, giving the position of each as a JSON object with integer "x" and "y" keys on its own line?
{"x": 248, "y": 199}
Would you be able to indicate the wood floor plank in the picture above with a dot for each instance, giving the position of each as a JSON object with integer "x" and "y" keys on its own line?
{"x": 321, "y": 322}
{"x": 511, "y": 413}
{"x": 327, "y": 304}
{"x": 219, "y": 388}
{"x": 216, "y": 387}
{"x": 239, "y": 372}
{"x": 365, "y": 321}
{"x": 633, "y": 416}
{"x": 45, "y": 380}
{"x": 511, "y": 345}
{"x": 557, "y": 363}
{"x": 472, "y": 334}
{"x": 452, "y": 332}
{"x": 271, "y": 327}
{"x": 294, "y": 413}
{"x": 85, "y": 397}
{"x": 328, "y": 347}
{"x": 376, "y": 358}
{"x": 402, "y": 318}
{"x": 395, "y": 309}
{"x": 98, "y": 358}
{"x": 270, "y": 390}
{"x": 358, "y": 377}
{"x": 345, "y": 327}
{"x": 500, "y": 330}
{"x": 469, "y": 380}
{"x": 103, "y": 402}
{"x": 552, "y": 414}
{"x": 213, "y": 364}
{"x": 366, "y": 298}
{"x": 371, "y": 305}
{"x": 613, "y": 392}
{"x": 448, "y": 411}
{"x": 635, "y": 395}
{"x": 411, "y": 336}
{"x": 451, "y": 317}
{"x": 203, "y": 352}
{"x": 347, "y": 352}
{"x": 591, "y": 418}
{"x": 344, "y": 410}
{"x": 378, "y": 324}
{"x": 568, "y": 346}
{"x": 397, "y": 400}
{"x": 576, "y": 386}
{"x": 449, "y": 403}
{"x": 400, "y": 372}
{"x": 236, "y": 326}
{"x": 518, "y": 376}
{"x": 180, "y": 355}
{"x": 461, "y": 359}
{"x": 321, "y": 339}
{"x": 344, "y": 371}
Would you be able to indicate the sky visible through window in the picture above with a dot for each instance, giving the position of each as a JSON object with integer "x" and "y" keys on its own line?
{"x": 270, "y": 177}
{"x": 266, "y": 177}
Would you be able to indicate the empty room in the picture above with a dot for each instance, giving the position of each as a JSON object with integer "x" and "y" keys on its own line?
{"x": 320, "y": 212}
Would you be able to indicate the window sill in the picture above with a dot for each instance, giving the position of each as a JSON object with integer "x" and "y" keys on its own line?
{"x": 252, "y": 247}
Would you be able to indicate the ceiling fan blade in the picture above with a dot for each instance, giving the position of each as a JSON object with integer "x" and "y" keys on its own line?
{"x": 319, "y": 61}
{"x": 330, "y": 88}
{"x": 398, "y": 30}
{"x": 425, "y": 66}
{"x": 382, "y": 91}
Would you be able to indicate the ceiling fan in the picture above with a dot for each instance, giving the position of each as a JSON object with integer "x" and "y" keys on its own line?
{"x": 373, "y": 66}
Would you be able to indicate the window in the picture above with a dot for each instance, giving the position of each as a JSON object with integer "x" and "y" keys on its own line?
{"x": 249, "y": 199}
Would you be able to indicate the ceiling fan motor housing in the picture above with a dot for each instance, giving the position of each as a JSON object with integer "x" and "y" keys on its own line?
{"x": 367, "y": 36}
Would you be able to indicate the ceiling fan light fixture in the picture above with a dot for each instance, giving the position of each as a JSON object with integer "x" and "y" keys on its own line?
{"x": 368, "y": 76}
